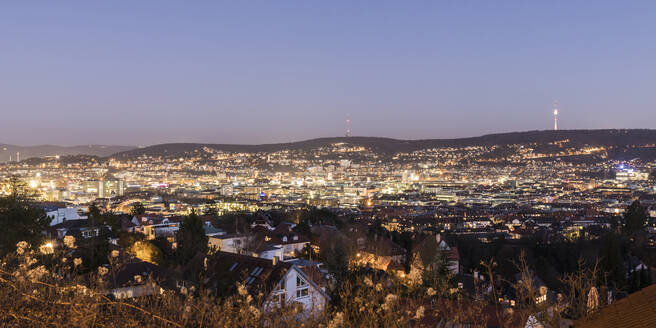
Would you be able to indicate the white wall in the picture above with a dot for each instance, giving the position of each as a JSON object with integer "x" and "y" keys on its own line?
{"x": 313, "y": 302}
{"x": 68, "y": 213}
{"x": 271, "y": 253}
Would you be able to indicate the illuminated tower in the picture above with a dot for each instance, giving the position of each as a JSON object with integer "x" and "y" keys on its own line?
{"x": 555, "y": 115}
{"x": 348, "y": 125}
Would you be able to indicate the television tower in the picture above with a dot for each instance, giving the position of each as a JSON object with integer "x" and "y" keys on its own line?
{"x": 555, "y": 115}
{"x": 348, "y": 125}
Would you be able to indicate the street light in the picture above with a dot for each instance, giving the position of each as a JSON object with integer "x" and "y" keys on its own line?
{"x": 47, "y": 248}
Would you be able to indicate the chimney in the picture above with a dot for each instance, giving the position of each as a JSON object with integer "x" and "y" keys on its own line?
{"x": 275, "y": 260}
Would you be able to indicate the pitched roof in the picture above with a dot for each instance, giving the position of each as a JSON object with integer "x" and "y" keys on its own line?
{"x": 315, "y": 275}
{"x": 456, "y": 313}
{"x": 126, "y": 273}
{"x": 258, "y": 274}
{"x": 72, "y": 224}
{"x": 143, "y": 220}
{"x": 279, "y": 239}
{"x": 210, "y": 229}
{"x": 283, "y": 228}
{"x": 635, "y": 310}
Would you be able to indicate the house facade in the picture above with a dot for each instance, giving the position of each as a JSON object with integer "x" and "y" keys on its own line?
{"x": 154, "y": 227}
{"x": 231, "y": 243}
{"x": 283, "y": 283}
{"x": 298, "y": 287}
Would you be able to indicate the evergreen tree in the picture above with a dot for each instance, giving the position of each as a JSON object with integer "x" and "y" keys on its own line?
{"x": 612, "y": 261}
{"x": 334, "y": 254}
{"x": 137, "y": 209}
{"x": 94, "y": 251}
{"x": 436, "y": 274}
{"x": 308, "y": 253}
{"x": 20, "y": 220}
{"x": 635, "y": 218}
{"x": 191, "y": 238}
{"x": 94, "y": 214}
{"x": 435, "y": 262}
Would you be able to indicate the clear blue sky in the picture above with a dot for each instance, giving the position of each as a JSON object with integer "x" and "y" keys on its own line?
{"x": 145, "y": 72}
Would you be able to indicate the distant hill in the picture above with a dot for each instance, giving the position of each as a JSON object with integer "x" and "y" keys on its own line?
{"x": 618, "y": 138}
{"x": 26, "y": 152}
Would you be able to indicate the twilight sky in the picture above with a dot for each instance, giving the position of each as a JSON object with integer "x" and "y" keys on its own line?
{"x": 146, "y": 72}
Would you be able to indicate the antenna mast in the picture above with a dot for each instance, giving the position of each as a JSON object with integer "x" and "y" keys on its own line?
{"x": 555, "y": 112}
{"x": 348, "y": 125}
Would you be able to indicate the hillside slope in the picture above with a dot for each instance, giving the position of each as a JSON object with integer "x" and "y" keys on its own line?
{"x": 26, "y": 152}
{"x": 616, "y": 138}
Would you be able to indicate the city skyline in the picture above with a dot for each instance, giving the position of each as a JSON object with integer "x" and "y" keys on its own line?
{"x": 327, "y": 164}
{"x": 147, "y": 73}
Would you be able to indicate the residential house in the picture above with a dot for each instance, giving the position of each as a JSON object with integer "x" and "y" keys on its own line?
{"x": 282, "y": 283}
{"x": 135, "y": 279}
{"x": 380, "y": 253}
{"x": 426, "y": 253}
{"x": 231, "y": 243}
{"x": 211, "y": 231}
{"x": 262, "y": 219}
{"x": 80, "y": 229}
{"x": 283, "y": 242}
{"x": 290, "y": 241}
{"x": 61, "y": 214}
{"x": 154, "y": 227}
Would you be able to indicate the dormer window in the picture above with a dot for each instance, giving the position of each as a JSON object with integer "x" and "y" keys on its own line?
{"x": 300, "y": 282}
{"x": 295, "y": 237}
{"x": 284, "y": 239}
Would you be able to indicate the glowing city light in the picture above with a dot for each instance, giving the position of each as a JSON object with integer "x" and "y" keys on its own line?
{"x": 47, "y": 248}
